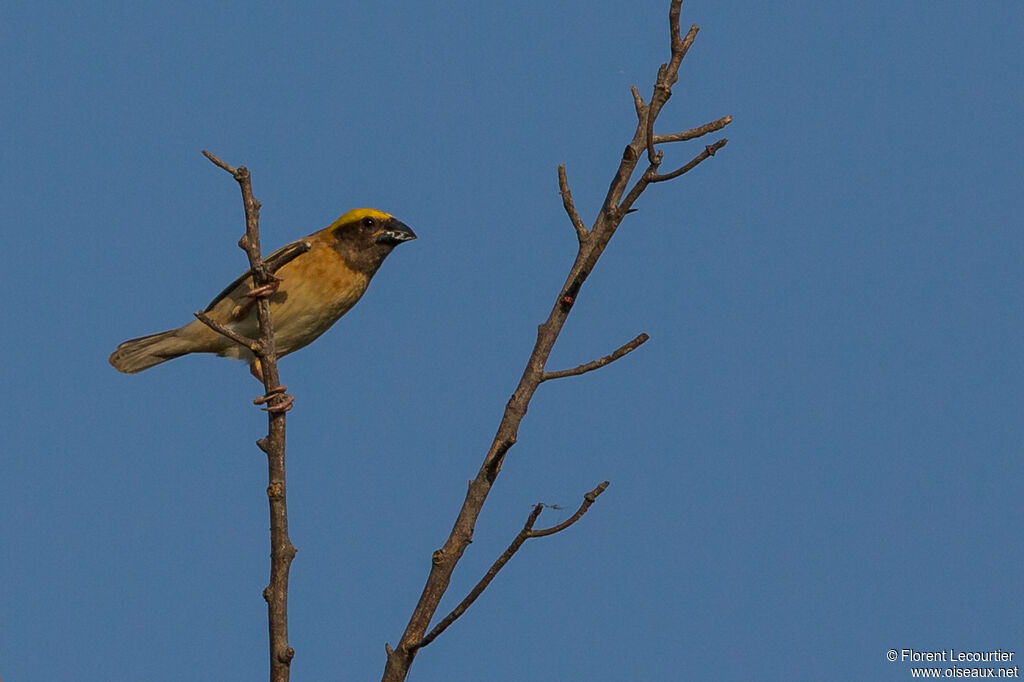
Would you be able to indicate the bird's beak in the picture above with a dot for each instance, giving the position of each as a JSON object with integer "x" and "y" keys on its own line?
{"x": 395, "y": 232}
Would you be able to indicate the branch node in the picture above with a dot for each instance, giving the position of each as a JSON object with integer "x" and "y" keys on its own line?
{"x": 592, "y": 495}
{"x": 629, "y": 154}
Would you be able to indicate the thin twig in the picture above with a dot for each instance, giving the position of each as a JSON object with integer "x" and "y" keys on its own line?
{"x": 588, "y": 500}
{"x": 240, "y": 339}
{"x": 600, "y": 362}
{"x": 220, "y": 164}
{"x": 570, "y": 207}
{"x": 282, "y": 551}
{"x": 277, "y": 260}
{"x": 525, "y": 534}
{"x": 639, "y": 105}
{"x": 694, "y": 132}
{"x": 709, "y": 151}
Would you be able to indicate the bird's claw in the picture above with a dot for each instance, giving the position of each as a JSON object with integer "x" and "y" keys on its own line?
{"x": 283, "y": 406}
{"x": 286, "y": 403}
{"x": 267, "y": 290}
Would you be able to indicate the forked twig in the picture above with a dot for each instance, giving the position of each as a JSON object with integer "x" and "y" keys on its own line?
{"x": 525, "y": 534}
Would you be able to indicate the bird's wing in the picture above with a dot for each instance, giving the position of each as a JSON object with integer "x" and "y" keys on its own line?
{"x": 274, "y": 261}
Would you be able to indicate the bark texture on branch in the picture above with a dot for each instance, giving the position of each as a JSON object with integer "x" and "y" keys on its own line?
{"x": 592, "y": 242}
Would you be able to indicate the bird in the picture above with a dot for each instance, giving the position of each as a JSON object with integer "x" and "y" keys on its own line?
{"x": 312, "y": 291}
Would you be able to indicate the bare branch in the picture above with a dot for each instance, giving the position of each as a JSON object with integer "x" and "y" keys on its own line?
{"x": 600, "y": 362}
{"x": 240, "y": 339}
{"x": 525, "y": 534}
{"x": 684, "y": 47}
{"x": 570, "y": 207}
{"x": 668, "y": 74}
{"x": 694, "y": 132}
{"x": 644, "y": 137}
{"x": 478, "y": 589}
{"x": 639, "y": 105}
{"x": 651, "y": 174}
{"x": 588, "y": 500}
{"x": 709, "y": 151}
{"x": 282, "y": 551}
{"x": 613, "y": 210}
{"x": 662, "y": 91}
{"x": 220, "y": 164}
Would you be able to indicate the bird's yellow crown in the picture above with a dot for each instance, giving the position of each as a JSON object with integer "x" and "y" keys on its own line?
{"x": 358, "y": 214}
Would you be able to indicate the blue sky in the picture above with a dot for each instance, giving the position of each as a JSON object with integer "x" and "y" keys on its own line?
{"x": 816, "y": 458}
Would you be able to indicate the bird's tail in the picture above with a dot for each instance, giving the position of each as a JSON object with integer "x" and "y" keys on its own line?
{"x": 144, "y": 352}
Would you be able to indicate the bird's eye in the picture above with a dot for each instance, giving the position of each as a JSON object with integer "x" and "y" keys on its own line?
{"x": 369, "y": 222}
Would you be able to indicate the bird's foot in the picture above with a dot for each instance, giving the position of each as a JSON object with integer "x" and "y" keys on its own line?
{"x": 283, "y": 406}
{"x": 267, "y": 290}
{"x": 286, "y": 403}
